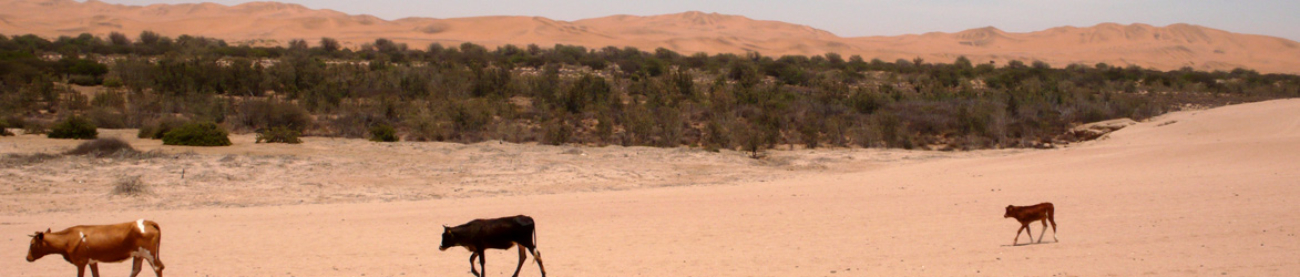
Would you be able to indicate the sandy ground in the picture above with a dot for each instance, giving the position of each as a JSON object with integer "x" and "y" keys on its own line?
{"x": 1211, "y": 192}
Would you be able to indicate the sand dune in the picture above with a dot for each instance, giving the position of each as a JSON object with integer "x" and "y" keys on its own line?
{"x": 271, "y": 23}
{"x": 1203, "y": 192}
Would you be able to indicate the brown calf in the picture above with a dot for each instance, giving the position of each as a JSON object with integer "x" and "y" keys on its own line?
{"x": 497, "y": 233}
{"x": 92, "y": 244}
{"x": 1028, "y": 214}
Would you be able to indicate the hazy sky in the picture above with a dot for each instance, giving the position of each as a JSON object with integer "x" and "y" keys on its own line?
{"x": 865, "y": 17}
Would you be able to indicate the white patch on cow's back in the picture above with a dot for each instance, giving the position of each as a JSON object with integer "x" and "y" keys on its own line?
{"x": 83, "y": 236}
{"x": 139, "y": 223}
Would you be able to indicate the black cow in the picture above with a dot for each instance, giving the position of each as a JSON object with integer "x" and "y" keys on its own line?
{"x": 497, "y": 233}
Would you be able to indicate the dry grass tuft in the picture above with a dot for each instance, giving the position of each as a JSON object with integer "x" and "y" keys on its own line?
{"x": 130, "y": 186}
{"x": 14, "y": 160}
{"x": 102, "y": 147}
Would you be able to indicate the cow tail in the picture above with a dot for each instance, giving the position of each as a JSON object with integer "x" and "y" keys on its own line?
{"x": 537, "y": 254}
{"x": 1051, "y": 216}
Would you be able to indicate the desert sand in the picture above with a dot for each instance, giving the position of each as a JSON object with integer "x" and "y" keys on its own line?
{"x": 271, "y": 23}
{"x": 1192, "y": 193}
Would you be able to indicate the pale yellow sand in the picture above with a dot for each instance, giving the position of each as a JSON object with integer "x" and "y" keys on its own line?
{"x": 1194, "y": 193}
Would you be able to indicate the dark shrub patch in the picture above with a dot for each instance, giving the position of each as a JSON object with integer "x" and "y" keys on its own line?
{"x": 279, "y": 134}
{"x": 159, "y": 128}
{"x": 383, "y": 133}
{"x": 14, "y": 121}
{"x": 35, "y": 128}
{"x": 74, "y": 127}
{"x": 197, "y": 134}
{"x": 4, "y": 128}
{"x": 101, "y": 147}
{"x": 263, "y": 114}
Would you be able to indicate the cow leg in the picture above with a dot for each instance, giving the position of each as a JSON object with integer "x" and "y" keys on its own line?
{"x": 1029, "y": 232}
{"x": 1044, "y": 232}
{"x": 94, "y": 269}
{"x": 1017, "y": 241}
{"x": 154, "y": 262}
{"x": 522, "y": 256}
{"x": 81, "y": 270}
{"x": 471, "y": 263}
{"x": 135, "y": 266}
{"x": 537, "y": 256}
{"x": 482, "y": 262}
{"x": 157, "y": 266}
{"x": 1053, "y": 230}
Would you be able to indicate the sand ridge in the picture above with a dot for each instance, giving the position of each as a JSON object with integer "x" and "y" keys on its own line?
{"x": 271, "y": 23}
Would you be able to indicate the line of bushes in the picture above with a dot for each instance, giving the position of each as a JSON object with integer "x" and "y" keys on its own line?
{"x": 571, "y": 94}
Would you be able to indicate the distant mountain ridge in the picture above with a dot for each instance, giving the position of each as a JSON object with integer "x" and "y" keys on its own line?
{"x": 1166, "y": 48}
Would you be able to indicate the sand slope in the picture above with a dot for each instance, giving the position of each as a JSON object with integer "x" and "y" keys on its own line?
{"x": 271, "y": 23}
{"x": 1210, "y": 192}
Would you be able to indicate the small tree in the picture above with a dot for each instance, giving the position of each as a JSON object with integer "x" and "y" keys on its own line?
{"x": 383, "y": 133}
{"x": 198, "y": 134}
{"x": 74, "y": 127}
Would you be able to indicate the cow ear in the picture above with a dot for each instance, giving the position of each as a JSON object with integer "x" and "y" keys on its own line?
{"x": 39, "y": 236}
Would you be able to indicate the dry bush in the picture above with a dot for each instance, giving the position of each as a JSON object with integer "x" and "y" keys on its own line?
{"x": 279, "y": 134}
{"x": 15, "y": 160}
{"x": 35, "y": 127}
{"x": 130, "y": 186}
{"x": 107, "y": 118}
{"x": 383, "y": 133}
{"x": 264, "y": 114}
{"x": 157, "y": 129}
{"x": 102, "y": 147}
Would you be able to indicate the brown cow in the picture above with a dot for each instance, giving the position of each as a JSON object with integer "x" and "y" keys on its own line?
{"x": 1028, "y": 214}
{"x": 497, "y": 233}
{"x": 93, "y": 244}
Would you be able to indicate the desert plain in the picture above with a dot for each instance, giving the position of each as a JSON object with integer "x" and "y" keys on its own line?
{"x": 1190, "y": 193}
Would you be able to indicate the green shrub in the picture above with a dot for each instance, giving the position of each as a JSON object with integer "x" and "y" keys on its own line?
{"x": 74, "y": 127}
{"x": 14, "y": 121}
{"x": 279, "y": 134}
{"x": 101, "y": 147}
{"x": 159, "y": 128}
{"x": 557, "y": 132}
{"x": 383, "y": 133}
{"x": 197, "y": 134}
{"x": 4, "y": 128}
